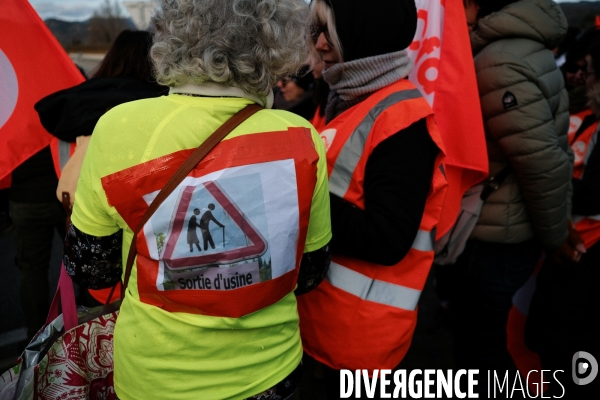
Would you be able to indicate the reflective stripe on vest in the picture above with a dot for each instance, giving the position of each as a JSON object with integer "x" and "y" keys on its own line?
{"x": 339, "y": 180}
{"x": 372, "y": 290}
{"x": 64, "y": 153}
{"x": 424, "y": 241}
{"x": 61, "y": 153}
{"x": 381, "y": 292}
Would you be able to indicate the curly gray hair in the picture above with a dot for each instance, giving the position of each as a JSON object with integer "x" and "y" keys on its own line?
{"x": 245, "y": 43}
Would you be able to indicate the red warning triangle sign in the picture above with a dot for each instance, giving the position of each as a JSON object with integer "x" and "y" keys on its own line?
{"x": 256, "y": 247}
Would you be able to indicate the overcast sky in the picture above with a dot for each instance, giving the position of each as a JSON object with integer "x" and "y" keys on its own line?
{"x": 70, "y": 10}
{"x": 77, "y": 10}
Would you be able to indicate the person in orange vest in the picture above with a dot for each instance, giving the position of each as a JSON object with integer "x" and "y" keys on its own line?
{"x": 562, "y": 319}
{"x": 583, "y": 121}
{"x": 386, "y": 186}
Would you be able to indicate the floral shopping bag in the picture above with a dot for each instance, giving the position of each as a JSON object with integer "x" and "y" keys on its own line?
{"x": 76, "y": 364}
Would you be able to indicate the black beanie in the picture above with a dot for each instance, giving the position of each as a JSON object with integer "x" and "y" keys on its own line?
{"x": 369, "y": 28}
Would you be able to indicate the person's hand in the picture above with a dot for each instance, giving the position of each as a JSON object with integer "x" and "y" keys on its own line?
{"x": 572, "y": 249}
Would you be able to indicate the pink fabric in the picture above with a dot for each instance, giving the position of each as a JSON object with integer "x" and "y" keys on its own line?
{"x": 66, "y": 294}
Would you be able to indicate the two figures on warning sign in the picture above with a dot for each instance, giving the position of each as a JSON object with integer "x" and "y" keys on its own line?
{"x": 192, "y": 237}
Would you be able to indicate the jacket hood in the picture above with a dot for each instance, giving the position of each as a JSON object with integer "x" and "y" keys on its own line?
{"x": 539, "y": 20}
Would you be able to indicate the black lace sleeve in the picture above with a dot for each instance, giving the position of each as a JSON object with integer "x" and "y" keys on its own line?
{"x": 313, "y": 269}
{"x": 93, "y": 262}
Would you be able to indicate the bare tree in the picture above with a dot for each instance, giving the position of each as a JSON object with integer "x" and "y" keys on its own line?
{"x": 106, "y": 23}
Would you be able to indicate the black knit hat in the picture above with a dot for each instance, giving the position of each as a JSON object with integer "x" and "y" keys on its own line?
{"x": 372, "y": 27}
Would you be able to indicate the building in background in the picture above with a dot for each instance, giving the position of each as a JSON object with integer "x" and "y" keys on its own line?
{"x": 140, "y": 12}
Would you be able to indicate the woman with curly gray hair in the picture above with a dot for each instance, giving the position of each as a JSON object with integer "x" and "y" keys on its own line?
{"x": 241, "y": 44}
{"x": 219, "y": 322}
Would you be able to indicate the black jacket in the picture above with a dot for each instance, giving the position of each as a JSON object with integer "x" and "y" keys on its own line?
{"x": 75, "y": 111}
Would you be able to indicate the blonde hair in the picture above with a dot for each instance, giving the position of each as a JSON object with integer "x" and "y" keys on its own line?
{"x": 320, "y": 15}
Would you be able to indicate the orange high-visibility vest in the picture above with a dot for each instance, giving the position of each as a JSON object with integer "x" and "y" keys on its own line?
{"x": 363, "y": 315}
{"x": 579, "y": 143}
{"x": 575, "y": 121}
{"x": 318, "y": 120}
{"x": 61, "y": 153}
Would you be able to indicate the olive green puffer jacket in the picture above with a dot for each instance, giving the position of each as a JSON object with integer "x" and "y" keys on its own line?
{"x": 525, "y": 111}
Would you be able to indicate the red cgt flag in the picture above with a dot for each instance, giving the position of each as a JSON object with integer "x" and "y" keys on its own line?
{"x": 445, "y": 74}
{"x": 32, "y": 66}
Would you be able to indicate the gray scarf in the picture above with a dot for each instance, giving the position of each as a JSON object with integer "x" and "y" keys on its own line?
{"x": 353, "y": 81}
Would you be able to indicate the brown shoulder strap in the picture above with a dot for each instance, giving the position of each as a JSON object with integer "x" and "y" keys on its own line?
{"x": 181, "y": 173}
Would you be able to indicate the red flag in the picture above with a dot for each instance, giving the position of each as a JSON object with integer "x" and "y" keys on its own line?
{"x": 5, "y": 182}
{"x": 445, "y": 74}
{"x": 32, "y": 66}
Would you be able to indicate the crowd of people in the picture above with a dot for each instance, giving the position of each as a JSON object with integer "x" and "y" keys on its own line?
{"x": 333, "y": 236}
